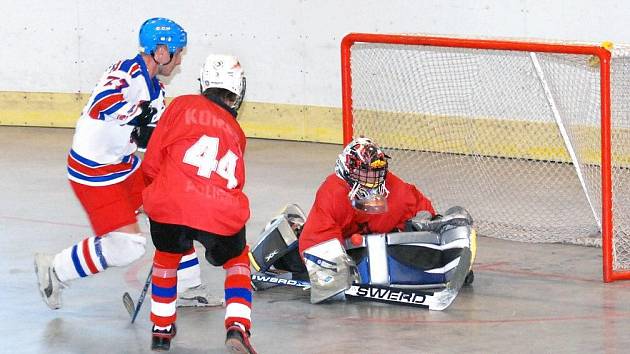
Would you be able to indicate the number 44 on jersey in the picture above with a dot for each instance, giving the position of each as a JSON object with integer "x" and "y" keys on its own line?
{"x": 203, "y": 154}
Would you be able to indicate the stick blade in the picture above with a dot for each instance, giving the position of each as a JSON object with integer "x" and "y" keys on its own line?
{"x": 128, "y": 302}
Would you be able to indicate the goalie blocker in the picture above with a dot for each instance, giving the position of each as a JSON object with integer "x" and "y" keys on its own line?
{"x": 402, "y": 267}
{"x": 277, "y": 245}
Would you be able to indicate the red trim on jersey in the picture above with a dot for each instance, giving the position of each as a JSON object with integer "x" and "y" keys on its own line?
{"x": 105, "y": 103}
{"x": 134, "y": 68}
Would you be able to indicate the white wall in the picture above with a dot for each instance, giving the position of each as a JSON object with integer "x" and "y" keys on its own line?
{"x": 289, "y": 48}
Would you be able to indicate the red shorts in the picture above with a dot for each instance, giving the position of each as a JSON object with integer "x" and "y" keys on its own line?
{"x": 111, "y": 207}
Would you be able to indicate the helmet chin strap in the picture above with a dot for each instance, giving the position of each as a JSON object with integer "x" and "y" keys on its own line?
{"x": 158, "y": 63}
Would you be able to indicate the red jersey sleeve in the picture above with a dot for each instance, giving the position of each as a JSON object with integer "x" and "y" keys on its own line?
{"x": 328, "y": 215}
{"x": 415, "y": 200}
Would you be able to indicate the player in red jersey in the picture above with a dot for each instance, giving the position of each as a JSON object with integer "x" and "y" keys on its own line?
{"x": 345, "y": 231}
{"x": 196, "y": 172}
{"x": 362, "y": 196}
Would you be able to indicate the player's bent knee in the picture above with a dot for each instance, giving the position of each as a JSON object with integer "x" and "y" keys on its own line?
{"x": 217, "y": 258}
{"x": 228, "y": 248}
{"x": 121, "y": 249}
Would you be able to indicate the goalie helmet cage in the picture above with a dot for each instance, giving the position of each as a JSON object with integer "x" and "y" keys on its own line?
{"x": 533, "y": 138}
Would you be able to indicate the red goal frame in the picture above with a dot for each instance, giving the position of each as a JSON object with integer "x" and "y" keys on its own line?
{"x": 604, "y": 55}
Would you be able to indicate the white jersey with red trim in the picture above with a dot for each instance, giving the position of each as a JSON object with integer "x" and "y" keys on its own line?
{"x": 102, "y": 150}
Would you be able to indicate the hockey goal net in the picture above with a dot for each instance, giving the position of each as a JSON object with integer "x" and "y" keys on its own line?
{"x": 532, "y": 138}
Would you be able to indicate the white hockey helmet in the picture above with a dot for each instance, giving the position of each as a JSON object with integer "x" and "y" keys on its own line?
{"x": 223, "y": 71}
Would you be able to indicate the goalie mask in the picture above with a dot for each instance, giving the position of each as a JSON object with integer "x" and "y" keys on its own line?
{"x": 364, "y": 166}
{"x": 224, "y": 72}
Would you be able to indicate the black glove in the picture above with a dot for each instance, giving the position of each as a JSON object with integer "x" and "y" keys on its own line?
{"x": 145, "y": 117}
{"x": 141, "y": 135}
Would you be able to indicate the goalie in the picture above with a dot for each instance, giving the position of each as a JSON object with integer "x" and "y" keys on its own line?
{"x": 366, "y": 228}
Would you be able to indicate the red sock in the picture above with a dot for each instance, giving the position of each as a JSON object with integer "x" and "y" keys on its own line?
{"x": 164, "y": 288}
{"x": 238, "y": 290}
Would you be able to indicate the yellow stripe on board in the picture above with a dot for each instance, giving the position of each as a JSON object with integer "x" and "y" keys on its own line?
{"x": 291, "y": 122}
{"x": 41, "y": 109}
{"x": 488, "y": 137}
{"x": 260, "y": 120}
{"x": 484, "y": 136}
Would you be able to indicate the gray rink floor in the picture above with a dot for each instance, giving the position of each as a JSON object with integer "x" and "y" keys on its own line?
{"x": 527, "y": 298}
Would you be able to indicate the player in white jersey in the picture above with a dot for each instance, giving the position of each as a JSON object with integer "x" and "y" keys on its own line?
{"x": 104, "y": 172}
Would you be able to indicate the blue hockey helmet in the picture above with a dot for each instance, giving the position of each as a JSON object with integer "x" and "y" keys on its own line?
{"x": 161, "y": 31}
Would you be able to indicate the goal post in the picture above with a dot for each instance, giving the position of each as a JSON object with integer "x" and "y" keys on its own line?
{"x": 532, "y": 137}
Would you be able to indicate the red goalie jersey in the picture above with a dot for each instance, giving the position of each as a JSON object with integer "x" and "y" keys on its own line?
{"x": 194, "y": 164}
{"x": 332, "y": 215}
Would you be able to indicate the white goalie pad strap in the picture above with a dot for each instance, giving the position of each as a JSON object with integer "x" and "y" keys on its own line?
{"x": 447, "y": 268}
{"x": 329, "y": 270}
{"x": 377, "y": 253}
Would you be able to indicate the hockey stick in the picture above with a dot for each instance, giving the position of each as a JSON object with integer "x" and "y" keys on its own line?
{"x": 266, "y": 280}
{"x": 359, "y": 292}
{"x": 433, "y": 300}
{"x": 128, "y": 301}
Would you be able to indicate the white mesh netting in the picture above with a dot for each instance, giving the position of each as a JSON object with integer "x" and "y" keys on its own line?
{"x": 475, "y": 128}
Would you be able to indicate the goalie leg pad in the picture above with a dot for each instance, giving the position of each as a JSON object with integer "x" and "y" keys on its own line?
{"x": 330, "y": 270}
{"x": 423, "y": 259}
{"x": 277, "y": 246}
{"x": 415, "y": 263}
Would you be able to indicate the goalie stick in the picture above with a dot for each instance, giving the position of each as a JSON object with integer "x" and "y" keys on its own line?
{"x": 433, "y": 300}
{"x": 128, "y": 301}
